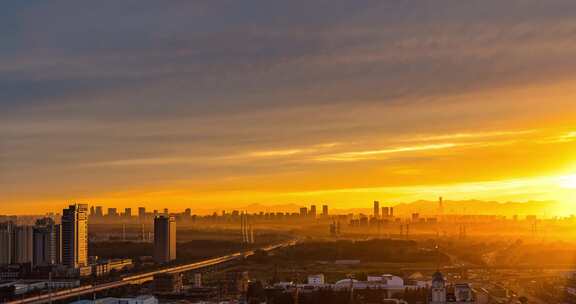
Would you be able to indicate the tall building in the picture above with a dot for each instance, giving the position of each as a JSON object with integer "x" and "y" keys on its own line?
{"x": 142, "y": 214}
{"x": 112, "y": 212}
{"x": 6, "y": 243}
{"x": 128, "y": 212}
{"x": 99, "y": 212}
{"x": 313, "y": 211}
{"x": 391, "y": 213}
{"x": 23, "y": 244}
{"x": 385, "y": 212}
{"x": 376, "y": 209}
{"x": 47, "y": 242}
{"x": 325, "y": 210}
{"x": 303, "y": 212}
{"x": 92, "y": 211}
{"x": 164, "y": 239}
{"x": 75, "y": 236}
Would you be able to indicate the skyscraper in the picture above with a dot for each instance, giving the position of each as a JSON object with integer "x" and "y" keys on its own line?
{"x": 6, "y": 243}
{"x": 128, "y": 212}
{"x": 303, "y": 212}
{"x": 312, "y": 211}
{"x": 325, "y": 210}
{"x": 75, "y": 236}
{"x": 376, "y": 209}
{"x": 47, "y": 242}
{"x": 142, "y": 214}
{"x": 99, "y": 212}
{"x": 23, "y": 244}
{"x": 164, "y": 239}
{"x": 112, "y": 212}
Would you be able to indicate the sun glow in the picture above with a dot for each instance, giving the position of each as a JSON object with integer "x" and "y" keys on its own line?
{"x": 568, "y": 182}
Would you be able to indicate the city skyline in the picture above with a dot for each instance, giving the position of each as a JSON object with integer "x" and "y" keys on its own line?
{"x": 200, "y": 104}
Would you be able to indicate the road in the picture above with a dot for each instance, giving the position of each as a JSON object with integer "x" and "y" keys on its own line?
{"x": 139, "y": 278}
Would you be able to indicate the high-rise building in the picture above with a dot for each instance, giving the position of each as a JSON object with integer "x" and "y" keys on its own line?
{"x": 312, "y": 211}
{"x": 75, "y": 236}
{"x": 128, "y": 212}
{"x": 23, "y": 244}
{"x": 303, "y": 212}
{"x": 142, "y": 214}
{"x": 325, "y": 210}
{"x": 385, "y": 212}
{"x": 376, "y": 209}
{"x": 164, "y": 239}
{"x": 391, "y": 214}
{"x": 92, "y": 211}
{"x": 6, "y": 243}
{"x": 112, "y": 212}
{"x": 166, "y": 211}
{"x": 47, "y": 242}
{"x": 99, "y": 212}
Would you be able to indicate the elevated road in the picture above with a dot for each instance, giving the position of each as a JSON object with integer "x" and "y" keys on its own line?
{"x": 143, "y": 277}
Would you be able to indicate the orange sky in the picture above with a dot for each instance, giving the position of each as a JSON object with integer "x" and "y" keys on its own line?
{"x": 213, "y": 105}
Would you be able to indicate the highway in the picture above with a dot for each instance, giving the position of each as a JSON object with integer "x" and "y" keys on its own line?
{"x": 139, "y": 278}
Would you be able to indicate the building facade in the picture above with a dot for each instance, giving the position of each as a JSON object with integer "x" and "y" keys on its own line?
{"x": 75, "y": 236}
{"x": 164, "y": 239}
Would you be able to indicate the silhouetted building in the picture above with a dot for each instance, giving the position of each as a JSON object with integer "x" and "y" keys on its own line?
{"x": 142, "y": 214}
{"x": 385, "y": 212}
{"x": 303, "y": 212}
{"x": 47, "y": 242}
{"x": 128, "y": 212}
{"x": 23, "y": 244}
{"x": 75, "y": 236}
{"x": 312, "y": 211}
{"x": 376, "y": 209}
{"x": 6, "y": 243}
{"x": 325, "y": 210}
{"x": 99, "y": 212}
{"x": 164, "y": 239}
{"x": 112, "y": 212}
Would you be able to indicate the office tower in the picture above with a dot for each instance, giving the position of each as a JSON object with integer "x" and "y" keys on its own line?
{"x": 164, "y": 239}
{"x": 92, "y": 211}
{"x": 128, "y": 212}
{"x": 325, "y": 210}
{"x": 99, "y": 212}
{"x": 303, "y": 212}
{"x": 112, "y": 212}
{"x": 6, "y": 242}
{"x": 165, "y": 211}
{"x": 313, "y": 211}
{"x": 23, "y": 244}
{"x": 391, "y": 213}
{"x": 142, "y": 214}
{"x": 47, "y": 242}
{"x": 376, "y": 209}
{"x": 385, "y": 212}
{"x": 75, "y": 236}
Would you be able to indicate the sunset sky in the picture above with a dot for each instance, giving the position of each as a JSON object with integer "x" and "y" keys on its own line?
{"x": 220, "y": 104}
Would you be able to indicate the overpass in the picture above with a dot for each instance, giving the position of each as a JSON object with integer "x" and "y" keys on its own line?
{"x": 143, "y": 277}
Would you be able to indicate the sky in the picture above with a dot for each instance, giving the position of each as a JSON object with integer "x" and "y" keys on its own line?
{"x": 220, "y": 104}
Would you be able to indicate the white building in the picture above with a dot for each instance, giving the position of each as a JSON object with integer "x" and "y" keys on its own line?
{"x": 317, "y": 279}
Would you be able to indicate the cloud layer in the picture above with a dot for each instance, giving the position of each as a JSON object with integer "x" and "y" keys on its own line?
{"x": 255, "y": 101}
